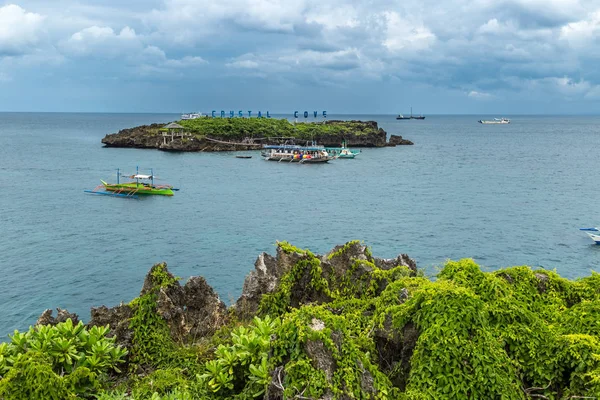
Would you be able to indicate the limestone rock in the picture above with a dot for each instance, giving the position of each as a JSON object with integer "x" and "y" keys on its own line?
{"x": 204, "y": 312}
{"x": 191, "y": 311}
{"x": 117, "y": 318}
{"x": 398, "y": 140}
{"x": 401, "y": 260}
{"x": 263, "y": 279}
{"x": 61, "y": 316}
{"x": 269, "y": 270}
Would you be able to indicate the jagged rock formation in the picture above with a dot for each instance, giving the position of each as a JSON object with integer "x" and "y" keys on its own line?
{"x": 269, "y": 270}
{"x": 348, "y": 325}
{"x": 396, "y": 140}
{"x": 195, "y": 310}
{"x": 62, "y": 315}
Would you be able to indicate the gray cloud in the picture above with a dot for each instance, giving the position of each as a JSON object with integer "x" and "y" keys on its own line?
{"x": 478, "y": 49}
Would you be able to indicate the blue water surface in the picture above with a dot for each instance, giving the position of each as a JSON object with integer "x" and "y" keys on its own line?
{"x": 501, "y": 194}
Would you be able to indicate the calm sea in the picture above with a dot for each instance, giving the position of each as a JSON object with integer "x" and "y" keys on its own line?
{"x": 501, "y": 194}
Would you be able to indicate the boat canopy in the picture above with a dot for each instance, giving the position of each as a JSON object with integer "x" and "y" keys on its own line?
{"x": 139, "y": 176}
{"x": 294, "y": 147}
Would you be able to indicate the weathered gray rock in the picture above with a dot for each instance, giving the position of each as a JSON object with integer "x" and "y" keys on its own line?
{"x": 204, "y": 312}
{"x": 61, "y": 316}
{"x": 192, "y": 311}
{"x": 117, "y": 318}
{"x": 266, "y": 276}
{"x": 396, "y": 140}
{"x": 263, "y": 279}
{"x": 402, "y": 260}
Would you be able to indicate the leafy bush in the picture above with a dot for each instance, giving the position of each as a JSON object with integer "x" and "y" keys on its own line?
{"x": 61, "y": 361}
{"x": 242, "y": 367}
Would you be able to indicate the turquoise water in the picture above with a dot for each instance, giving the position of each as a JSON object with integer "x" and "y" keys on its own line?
{"x": 504, "y": 195}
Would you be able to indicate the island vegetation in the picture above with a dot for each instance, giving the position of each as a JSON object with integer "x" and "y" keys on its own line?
{"x": 345, "y": 325}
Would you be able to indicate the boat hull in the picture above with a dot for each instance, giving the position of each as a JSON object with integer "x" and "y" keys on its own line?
{"x": 297, "y": 160}
{"x": 595, "y": 238}
{"x": 138, "y": 188}
{"x": 494, "y": 122}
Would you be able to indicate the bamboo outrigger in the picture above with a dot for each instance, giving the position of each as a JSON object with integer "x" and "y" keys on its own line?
{"x": 139, "y": 184}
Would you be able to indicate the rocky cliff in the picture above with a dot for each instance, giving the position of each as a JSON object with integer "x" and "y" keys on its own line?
{"x": 347, "y": 325}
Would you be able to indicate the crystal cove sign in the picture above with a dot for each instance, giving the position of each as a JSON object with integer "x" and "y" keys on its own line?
{"x": 241, "y": 114}
{"x": 314, "y": 113}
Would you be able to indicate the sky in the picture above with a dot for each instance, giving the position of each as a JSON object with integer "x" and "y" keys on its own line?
{"x": 343, "y": 56}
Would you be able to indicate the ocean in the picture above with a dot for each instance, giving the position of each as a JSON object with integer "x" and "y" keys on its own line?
{"x": 503, "y": 195}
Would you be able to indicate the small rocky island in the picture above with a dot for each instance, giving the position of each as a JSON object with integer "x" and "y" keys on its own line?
{"x": 231, "y": 134}
{"x": 343, "y": 325}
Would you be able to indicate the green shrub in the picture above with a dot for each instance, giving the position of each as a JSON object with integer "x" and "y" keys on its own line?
{"x": 62, "y": 361}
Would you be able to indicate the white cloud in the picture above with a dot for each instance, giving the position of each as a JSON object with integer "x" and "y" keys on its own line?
{"x": 473, "y": 47}
{"x": 406, "y": 34}
{"x": 244, "y": 64}
{"x": 102, "y": 41}
{"x": 154, "y": 61}
{"x": 479, "y": 95}
{"x": 580, "y": 33}
{"x": 19, "y": 29}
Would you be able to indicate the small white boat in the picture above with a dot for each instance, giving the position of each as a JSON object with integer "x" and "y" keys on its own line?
{"x": 191, "y": 116}
{"x": 495, "y": 121}
{"x": 594, "y": 236}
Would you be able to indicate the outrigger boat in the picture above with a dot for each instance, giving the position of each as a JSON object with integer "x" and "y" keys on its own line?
{"x": 293, "y": 153}
{"x": 496, "y": 121}
{"x": 594, "y": 236}
{"x": 139, "y": 184}
{"x": 342, "y": 152}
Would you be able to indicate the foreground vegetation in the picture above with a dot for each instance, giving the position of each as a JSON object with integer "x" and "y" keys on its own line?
{"x": 364, "y": 333}
{"x": 240, "y": 128}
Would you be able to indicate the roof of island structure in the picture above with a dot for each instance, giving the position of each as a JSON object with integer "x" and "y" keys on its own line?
{"x": 173, "y": 125}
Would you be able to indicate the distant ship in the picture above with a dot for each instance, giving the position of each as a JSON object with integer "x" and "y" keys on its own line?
{"x": 495, "y": 121}
{"x": 400, "y": 116}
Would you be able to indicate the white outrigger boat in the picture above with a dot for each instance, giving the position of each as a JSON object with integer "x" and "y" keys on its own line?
{"x": 293, "y": 153}
{"x": 594, "y": 236}
{"x": 495, "y": 121}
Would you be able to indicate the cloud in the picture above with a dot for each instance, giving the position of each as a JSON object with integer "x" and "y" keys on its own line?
{"x": 244, "y": 64}
{"x": 476, "y": 49}
{"x": 19, "y": 30}
{"x": 405, "y": 34}
{"x": 154, "y": 61}
{"x": 581, "y": 33}
{"x": 479, "y": 95}
{"x": 102, "y": 41}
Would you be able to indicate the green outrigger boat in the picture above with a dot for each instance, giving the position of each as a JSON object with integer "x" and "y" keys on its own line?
{"x": 140, "y": 184}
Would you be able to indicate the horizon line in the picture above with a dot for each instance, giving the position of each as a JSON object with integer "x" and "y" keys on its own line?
{"x": 292, "y": 113}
